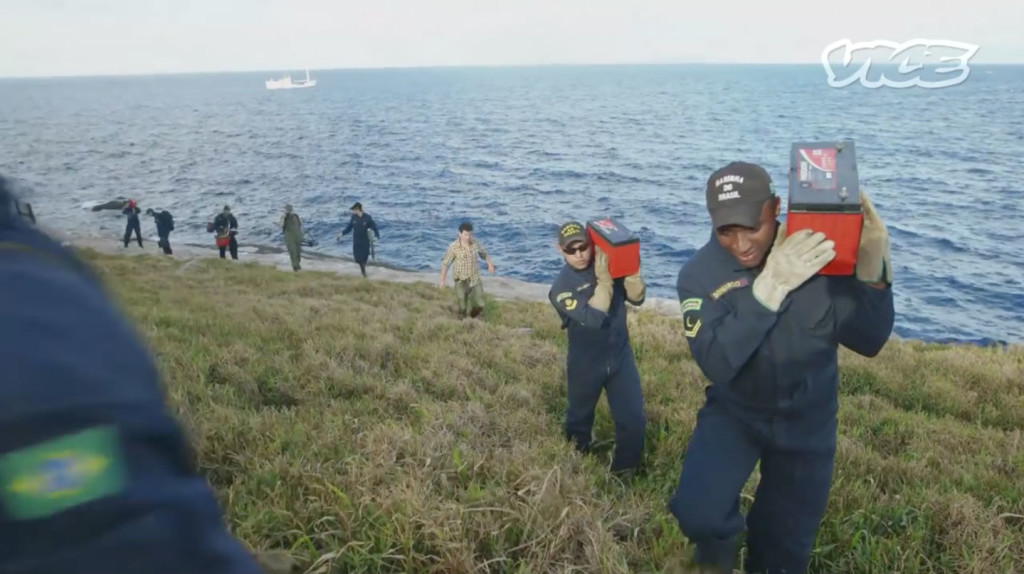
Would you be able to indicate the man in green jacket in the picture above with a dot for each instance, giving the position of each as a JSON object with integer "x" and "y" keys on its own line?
{"x": 292, "y": 227}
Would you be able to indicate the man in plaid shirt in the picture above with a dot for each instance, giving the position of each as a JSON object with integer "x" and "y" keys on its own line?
{"x": 463, "y": 253}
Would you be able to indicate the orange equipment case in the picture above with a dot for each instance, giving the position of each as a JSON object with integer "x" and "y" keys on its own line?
{"x": 620, "y": 244}
{"x": 824, "y": 195}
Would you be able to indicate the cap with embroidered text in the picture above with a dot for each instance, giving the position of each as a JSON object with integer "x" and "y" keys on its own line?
{"x": 571, "y": 232}
{"x": 736, "y": 194}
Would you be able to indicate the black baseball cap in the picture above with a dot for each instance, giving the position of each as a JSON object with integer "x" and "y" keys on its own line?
{"x": 356, "y": 206}
{"x": 736, "y": 194}
{"x": 571, "y": 232}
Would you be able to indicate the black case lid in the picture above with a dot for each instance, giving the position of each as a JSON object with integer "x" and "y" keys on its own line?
{"x": 613, "y": 231}
{"x": 823, "y": 177}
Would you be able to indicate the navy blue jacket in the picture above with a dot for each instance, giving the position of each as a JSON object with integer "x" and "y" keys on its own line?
{"x": 164, "y": 222}
{"x": 96, "y": 474}
{"x": 224, "y": 223}
{"x": 361, "y": 241}
{"x": 132, "y": 213}
{"x": 784, "y": 362}
{"x": 593, "y": 334}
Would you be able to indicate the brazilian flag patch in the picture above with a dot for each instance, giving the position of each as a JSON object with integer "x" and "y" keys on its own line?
{"x": 47, "y": 478}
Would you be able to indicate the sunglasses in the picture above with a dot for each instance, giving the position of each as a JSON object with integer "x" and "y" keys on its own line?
{"x": 575, "y": 250}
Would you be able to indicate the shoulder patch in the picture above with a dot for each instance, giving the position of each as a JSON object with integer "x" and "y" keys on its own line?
{"x": 567, "y": 300}
{"x": 729, "y": 286}
{"x": 690, "y": 325}
{"x": 46, "y": 478}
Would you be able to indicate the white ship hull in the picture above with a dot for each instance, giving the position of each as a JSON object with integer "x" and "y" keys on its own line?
{"x": 286, "y": 83}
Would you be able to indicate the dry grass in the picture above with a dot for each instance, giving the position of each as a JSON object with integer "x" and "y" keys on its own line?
{"x": 359, "y": 427}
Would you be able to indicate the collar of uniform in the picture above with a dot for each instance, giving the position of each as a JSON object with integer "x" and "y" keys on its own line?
{"x": 729, "y": 262}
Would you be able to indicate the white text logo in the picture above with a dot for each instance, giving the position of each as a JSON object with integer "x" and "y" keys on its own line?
{"x": 920, "y": 63}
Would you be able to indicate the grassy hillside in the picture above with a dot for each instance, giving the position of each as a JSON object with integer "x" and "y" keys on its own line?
{"x": 360, "y": 427}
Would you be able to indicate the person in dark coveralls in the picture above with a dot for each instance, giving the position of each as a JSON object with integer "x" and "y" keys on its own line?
{"x": 764, "y": 329}
{"x": 592, "y": 307}
{"x": 164, "y": 226}
{"x": 226, "y": 227}
{"x": 362, "y": 223}
{"x": 132, "y": 225}
{"x": 96, "y": 474}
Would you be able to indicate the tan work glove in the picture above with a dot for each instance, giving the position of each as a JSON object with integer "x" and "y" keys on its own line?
{"x": 602, "y": 298}
{"x": 874, "y": 264}
{"x": 635, "y": 286}
{"x": 793, "y": 260}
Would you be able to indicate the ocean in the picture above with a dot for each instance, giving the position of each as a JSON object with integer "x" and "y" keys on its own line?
{"x": 519, "y": 150}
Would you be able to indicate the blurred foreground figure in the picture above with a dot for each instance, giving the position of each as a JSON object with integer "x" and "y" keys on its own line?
{"x": 95, "y": 474}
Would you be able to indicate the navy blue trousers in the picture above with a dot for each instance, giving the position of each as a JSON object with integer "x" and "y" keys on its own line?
{"x": 132, "y": 226}
{"x": 619, "y": 378}
{"x": 796, "y": 473}
{"x": 165, "y": 242}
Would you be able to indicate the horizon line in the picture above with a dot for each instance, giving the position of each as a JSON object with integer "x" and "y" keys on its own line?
{"x": 435, "y": 67}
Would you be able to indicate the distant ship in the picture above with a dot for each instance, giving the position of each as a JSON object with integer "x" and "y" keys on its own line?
{"x": 286, "y": 83}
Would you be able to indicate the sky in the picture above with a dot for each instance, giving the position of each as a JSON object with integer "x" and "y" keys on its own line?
{"x": 114, "y": 37}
